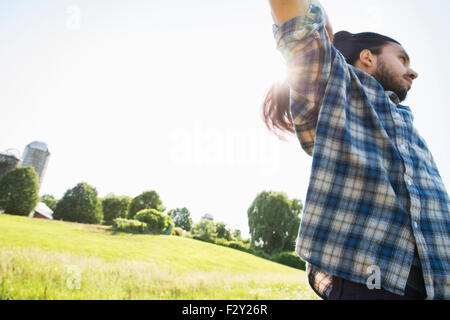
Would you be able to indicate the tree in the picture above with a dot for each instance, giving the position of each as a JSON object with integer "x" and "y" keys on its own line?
{"x": 274, "y": 221}
{"x": 19, "y": 190}
{"x": 157, "y": 223}
{"x": 146, "y": 200}
{"x": 181, "y": 218}
{"x": 222, "y": 231}
{"x": 297, "y": 209}
{"x": 79, "y": 204}
{"x": 237, "y": 234}
{"x": 49, "y": 200}
{"x": 205, "y": 230}
{"x": 115, "y": 207}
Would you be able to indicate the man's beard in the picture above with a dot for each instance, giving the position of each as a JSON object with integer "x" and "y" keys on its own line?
{"x": 390, "y": 81}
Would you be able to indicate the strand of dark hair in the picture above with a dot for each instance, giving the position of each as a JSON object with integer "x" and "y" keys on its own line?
{"x": 277, "y": 111}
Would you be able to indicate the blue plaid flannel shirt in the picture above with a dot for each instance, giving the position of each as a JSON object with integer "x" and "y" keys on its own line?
{"x": 375, "y": 191}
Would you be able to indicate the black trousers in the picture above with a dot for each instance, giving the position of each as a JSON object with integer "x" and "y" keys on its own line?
{"x": 348, "y": 290}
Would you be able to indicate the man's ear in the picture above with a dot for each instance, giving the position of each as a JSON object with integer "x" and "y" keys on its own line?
{"x": 367, "y": 59}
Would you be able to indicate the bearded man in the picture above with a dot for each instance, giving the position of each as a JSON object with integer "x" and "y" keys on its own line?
{"x": 376, "y": 220}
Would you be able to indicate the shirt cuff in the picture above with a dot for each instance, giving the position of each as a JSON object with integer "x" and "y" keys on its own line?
{"x": 299, "y": 27}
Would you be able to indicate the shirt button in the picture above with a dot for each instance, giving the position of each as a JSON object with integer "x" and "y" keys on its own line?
{"x": 416, "y": 224}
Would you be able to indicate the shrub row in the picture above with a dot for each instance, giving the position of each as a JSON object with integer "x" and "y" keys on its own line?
{"x": 157, "y": 223}
{"x": 286, "y": 258}
{"x": 290, "y": 259}
{"x": 147, "y": 221}
{"x": 130, "y": 226}
{"x": 160, "y": 223}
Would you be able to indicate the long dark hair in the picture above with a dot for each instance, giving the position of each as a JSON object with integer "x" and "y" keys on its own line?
{"x": 277, "y": 110}
{"x": 276, "y": 107}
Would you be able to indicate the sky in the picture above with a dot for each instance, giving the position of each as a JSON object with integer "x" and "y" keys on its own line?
{"x": 164, "y": 95}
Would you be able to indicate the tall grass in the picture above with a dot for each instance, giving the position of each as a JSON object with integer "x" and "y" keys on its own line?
{"x": 31, "y": 273}
{"x": 51, "y": 266}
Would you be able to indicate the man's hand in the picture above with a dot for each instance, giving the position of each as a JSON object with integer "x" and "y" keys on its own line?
{"x": 285, "y": 10}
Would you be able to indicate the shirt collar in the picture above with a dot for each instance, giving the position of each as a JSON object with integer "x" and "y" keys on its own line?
{"x": 394, "y": 97}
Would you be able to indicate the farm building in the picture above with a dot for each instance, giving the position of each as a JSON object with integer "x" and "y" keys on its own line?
{"x": 8, "y": 161}
{"x": 42, "y": 212}
{"x": 36, "y": 155}
{"x": 208, "y": 216}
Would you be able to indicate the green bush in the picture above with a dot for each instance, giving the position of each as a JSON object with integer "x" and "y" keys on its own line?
{"x": 146, "y": 200}
{"x": 286, "y": 258}
{"x": 181, "y": 218}
{"x": 177, "y": 232}
{"x": 205, "y": 230}
{"x": 129, "y": 226}
{"x": 262, "y": 254}
{"x": 49, "y": 200}
{"x": 79, "y": 204}
{"x": 290, "y": 259}
{"x": 19, "y": 191}
{"x": 157, "y": 223}
{"x": 114, "y": 207}
{"x": 223, "y": 232}
{"x": 239, "y": 245}
{"x": 222, "y": 242}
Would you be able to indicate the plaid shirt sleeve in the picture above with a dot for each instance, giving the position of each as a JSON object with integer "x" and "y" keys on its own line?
{"x": 306, "y": 47}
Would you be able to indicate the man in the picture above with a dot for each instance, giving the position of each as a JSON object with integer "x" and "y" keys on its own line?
{"x": 376, "y": 221}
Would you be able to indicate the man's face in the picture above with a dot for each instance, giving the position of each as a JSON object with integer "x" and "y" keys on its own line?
{"x": 393, "y": 70}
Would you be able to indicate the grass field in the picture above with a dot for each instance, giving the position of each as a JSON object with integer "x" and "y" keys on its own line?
{"x": 42, "y": 259}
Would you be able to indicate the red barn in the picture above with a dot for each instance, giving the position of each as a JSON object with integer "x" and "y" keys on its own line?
{"x": 42, "y": 212}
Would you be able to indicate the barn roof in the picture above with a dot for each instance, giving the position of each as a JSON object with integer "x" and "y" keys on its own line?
{"x": 42, "y": 208}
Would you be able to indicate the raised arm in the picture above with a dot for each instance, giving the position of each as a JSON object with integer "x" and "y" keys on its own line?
{"x": 304, "y": 40}
{"x": 285, "y": 10}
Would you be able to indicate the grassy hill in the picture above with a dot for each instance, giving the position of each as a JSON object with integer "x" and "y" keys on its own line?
{"x": 41, "y": 259}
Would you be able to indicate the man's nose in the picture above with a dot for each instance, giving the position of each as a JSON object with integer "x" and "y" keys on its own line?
{"x": 412, "y": 74}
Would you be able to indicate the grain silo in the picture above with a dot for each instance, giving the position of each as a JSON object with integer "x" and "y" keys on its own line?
{"x": 8, "y": 161}
{"x": 36, "y": 155}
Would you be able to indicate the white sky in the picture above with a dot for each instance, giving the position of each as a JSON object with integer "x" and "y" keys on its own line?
{"x": 166, "y": 95}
